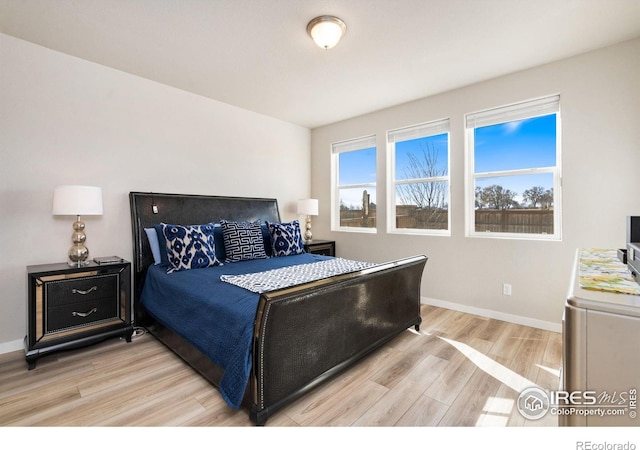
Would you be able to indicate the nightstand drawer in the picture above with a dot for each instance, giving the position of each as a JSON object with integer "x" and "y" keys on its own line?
{"x": 66, "y": 292}
{"x": 80, "y": 314}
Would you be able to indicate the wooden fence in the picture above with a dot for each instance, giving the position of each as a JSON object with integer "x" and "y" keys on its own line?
{"x": 528, "y": 221}
{"x": 353, "y": 218}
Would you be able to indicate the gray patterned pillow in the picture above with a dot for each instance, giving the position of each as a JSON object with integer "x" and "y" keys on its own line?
{"x": 190, "y": 246}
{"x": 242, "y": 241}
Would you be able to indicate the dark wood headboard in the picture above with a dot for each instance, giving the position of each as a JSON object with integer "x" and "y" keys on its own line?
{"x": 149, "y": 208}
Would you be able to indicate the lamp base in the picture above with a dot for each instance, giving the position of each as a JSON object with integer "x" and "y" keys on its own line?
{"x": 307, "y": 236}
{"x": 78, "y": 253}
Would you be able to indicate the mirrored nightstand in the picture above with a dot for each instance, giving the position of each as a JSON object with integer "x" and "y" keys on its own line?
{"x": 320, "y": 247}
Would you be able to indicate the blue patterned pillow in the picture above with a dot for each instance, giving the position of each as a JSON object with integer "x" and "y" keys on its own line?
{"x": 287, "y": 238}
{"x": 242, "y": 241}
{"x": 190, "y": 246}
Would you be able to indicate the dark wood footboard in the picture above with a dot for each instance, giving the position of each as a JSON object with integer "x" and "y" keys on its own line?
{"x": 306, "y": 334}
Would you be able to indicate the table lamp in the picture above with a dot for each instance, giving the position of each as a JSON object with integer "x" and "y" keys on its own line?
{"x": 77, "y": 201}
{"x": 308, "y": 207}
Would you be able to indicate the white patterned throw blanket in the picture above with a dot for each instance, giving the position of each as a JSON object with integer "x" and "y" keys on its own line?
{"x": 271, "y": 280}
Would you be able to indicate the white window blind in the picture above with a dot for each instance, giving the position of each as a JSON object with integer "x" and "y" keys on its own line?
{"x": 510, "y": 113}
{"x": 353, "y": 144}
{"x": 418, "y": 131}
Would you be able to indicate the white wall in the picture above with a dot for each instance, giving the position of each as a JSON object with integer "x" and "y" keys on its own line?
{"x": 600, "y": 112}
{"x": 64, "y": 120}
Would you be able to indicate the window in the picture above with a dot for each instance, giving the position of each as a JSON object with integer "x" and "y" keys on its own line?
{"x": 354, "y": 196}
{"x": 514, "y": 170}
{"x": 419, "y": 175}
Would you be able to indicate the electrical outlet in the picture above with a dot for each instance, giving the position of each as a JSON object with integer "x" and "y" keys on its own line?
{"x": 506, "y": 289}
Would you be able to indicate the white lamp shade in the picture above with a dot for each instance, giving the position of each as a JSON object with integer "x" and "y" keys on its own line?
{"x": 326, "y": 31}
{"x": 77, "y": 201}
{"x": 308, "y": 207}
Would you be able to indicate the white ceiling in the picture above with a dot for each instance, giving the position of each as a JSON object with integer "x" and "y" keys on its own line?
{"x": 255, "y": 54}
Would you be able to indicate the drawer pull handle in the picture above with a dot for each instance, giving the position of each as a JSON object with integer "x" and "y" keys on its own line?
{"x": 81, "y": 292}
{"x": 80, "y": 314}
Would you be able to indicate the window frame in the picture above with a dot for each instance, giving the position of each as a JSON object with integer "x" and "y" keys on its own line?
{"x": 350, "y": 145}
{"x": 412, "y": 132}
{"x": 504, "y": 114}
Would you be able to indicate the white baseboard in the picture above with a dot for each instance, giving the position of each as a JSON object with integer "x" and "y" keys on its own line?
{"x": 8, "y": 347}
{"x": 520, "y": 320}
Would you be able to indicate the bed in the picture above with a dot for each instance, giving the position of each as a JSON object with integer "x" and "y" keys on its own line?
{"x": 269, "y": 345}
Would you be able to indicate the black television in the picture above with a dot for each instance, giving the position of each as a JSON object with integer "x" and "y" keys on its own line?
{"x": 633, "y": 246}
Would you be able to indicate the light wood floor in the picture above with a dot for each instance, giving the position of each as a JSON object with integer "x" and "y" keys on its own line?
{"x": 459, "y": 370}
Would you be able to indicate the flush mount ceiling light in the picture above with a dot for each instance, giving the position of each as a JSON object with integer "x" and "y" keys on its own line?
{"x": 326, "y": 31}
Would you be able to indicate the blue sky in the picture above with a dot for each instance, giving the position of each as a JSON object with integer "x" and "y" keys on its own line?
{"x": 516, "y": 145}
{"x": 358, "y": 167}
{"x": 438, "y": 147}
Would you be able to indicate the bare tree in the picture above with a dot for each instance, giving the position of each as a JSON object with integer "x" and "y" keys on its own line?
{"x": 429, "y": 194}
{"x": 546, "y": 201}
{"x": 495, "y": 197}
{"x": 430, "y": 197}
{"x": 534, "y": 196}
{"x": 482, "y": 199}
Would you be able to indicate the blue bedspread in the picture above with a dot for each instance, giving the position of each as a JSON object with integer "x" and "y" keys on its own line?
{"x": 214, "y": 316}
